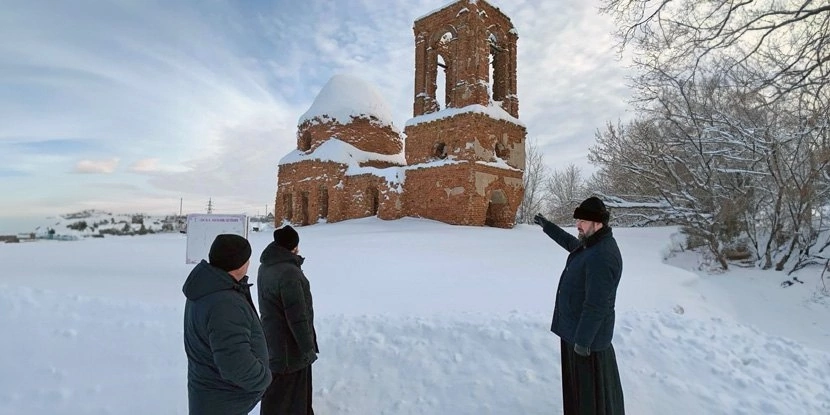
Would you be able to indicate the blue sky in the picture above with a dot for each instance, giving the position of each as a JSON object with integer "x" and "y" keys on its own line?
{"x": 129, "y": 105}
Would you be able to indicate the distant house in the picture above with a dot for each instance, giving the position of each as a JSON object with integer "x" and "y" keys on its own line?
{"x": 26, "y": 237}
{"x": 463, "y": 161}
{"x": 9, "y": 239}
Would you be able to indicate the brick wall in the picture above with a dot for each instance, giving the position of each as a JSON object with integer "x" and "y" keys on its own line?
{"x": 365, "y": 134}
{"x": 465, "y": 35}
{"x": 461, "y": 35}
{"x": 467, "y": 136}
{"x": 311, "y": 190}
{"x": 464, "y": 194}
{"x": 305, "y": 189}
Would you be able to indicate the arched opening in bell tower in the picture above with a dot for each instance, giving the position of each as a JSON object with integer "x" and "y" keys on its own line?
{"x": 497, "y": 69}
{"x": 496, "y": 209}
{"x": 441, "y": 92}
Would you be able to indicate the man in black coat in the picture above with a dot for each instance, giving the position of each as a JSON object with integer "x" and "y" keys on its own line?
{"x": 583, "y": 317}
{"x": 288, "y": 320}
{"x": 227, "y": 356}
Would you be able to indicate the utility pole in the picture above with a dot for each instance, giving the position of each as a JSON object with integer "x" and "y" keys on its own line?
{"x": 181, "y": 200}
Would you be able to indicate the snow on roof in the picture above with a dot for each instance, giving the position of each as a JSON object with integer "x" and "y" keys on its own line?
{"x": 494, "y": 111}
{"x": 338, "y": 151}
{"x": 435, "y": 163}
{"x": 395, "y": 176}
{"x": 500, "y": 163}
{"x": 446, "y": 6}
{"x": 346, "y": 96}
{"x": 431, "y": 12}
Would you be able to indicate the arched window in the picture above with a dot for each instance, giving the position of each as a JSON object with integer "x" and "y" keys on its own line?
{"x": 497, "y": 210}
{"x": 440, "y": 150}
{"x": 441, "y": 91}
{"x": 287, "y": 207}
{"x": 324, "y": 202}
{"x": 373, "y": 197}
{"x": 305, "y": 141}
{"x": 304, "y": 219}
{"x": 501, "y": 151}
{"x": 442, "y": 47}
{"x": 497, "y": 69}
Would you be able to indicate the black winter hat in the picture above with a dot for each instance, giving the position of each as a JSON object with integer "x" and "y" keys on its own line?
{"x": 287, "y": 237}
{"x": 592, "y": 209}
{"x": 229, "y": 252}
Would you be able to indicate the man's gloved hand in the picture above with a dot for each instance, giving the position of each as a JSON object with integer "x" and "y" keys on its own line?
{"x": 582, "y": 350}
{"x": 539, "y": 219}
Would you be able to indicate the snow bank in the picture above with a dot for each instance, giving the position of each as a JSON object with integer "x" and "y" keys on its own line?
{"x": 454, "y": 321}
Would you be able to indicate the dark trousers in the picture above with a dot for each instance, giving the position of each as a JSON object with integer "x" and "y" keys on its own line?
{"x": 591, "y": 385}
{"x": 288, "y": 394}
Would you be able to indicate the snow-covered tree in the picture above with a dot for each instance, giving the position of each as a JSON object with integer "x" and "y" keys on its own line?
{"x": 731, "y": 129}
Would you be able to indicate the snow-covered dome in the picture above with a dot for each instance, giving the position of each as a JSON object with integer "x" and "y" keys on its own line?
{"x": 345, "y": 96}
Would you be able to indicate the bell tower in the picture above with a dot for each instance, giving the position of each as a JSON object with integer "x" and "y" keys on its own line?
{"x": 465, "y": 136}
{"x": 472, "y": 46}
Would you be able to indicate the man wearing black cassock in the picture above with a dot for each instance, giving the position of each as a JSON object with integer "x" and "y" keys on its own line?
{"x": 583, "y": 317}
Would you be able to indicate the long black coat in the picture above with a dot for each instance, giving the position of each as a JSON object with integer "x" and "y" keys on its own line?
{"x": 585, "y": 299}
{"x": 287, "y": 310}
{"x": 227, "y": 358}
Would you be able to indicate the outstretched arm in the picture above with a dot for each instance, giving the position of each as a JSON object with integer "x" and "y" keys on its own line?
{"x": 564, "y": 239}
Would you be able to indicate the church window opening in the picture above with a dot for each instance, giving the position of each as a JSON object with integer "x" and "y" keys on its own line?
{"x": 305, "y": 141}
{"x": 441, "y": 87}
{"x": 288, "y": 207}
{"x": 440, "y": 150}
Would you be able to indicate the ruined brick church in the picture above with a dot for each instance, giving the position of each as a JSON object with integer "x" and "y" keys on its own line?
{"x": 464, "y": 154}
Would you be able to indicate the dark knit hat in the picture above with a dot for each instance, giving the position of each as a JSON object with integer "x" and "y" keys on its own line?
{"x": 592, "y": 209}
{"x": 229, "y": 252}
{"x": 287, "y": 237}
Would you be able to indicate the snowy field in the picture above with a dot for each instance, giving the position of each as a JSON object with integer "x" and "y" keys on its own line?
{"x": 415, "y": 317}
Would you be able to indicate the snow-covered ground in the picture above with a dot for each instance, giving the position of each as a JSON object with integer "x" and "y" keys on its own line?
{"x": 415, "y": 317}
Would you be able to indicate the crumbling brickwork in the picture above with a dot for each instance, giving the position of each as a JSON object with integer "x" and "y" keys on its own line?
{"x": 464, "y": 167}
{"x": 311, "y": 190}
{"x": 465, "y": 35}
{"x": 468, "y": 136}
{"x": 366, "y": 134}
{"x": 464, "y": 194}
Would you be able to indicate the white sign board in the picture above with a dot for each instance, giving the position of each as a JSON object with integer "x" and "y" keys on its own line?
{"x": 203, "y": 228}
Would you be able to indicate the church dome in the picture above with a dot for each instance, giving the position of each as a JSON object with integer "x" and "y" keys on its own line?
{"x": 351, "y": 110}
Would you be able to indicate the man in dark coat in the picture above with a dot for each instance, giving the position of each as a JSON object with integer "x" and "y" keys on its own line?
{"x": 227, "y": 355}
{"x": 583, "y": 317}
{"x": 288, "y": 320}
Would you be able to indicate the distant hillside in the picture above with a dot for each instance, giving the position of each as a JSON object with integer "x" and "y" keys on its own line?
{"x": 97, "y": 223}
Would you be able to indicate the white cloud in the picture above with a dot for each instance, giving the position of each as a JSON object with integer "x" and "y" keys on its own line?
{"x": 145, "y": 166}
{"x": 97, "y": 166}
{"x": 153, "y": 166}
{"x": 203, "y": 97}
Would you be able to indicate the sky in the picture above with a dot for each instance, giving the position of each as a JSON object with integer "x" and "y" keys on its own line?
{"x": 140, "y": 105}
{"x": 466, "y": 332}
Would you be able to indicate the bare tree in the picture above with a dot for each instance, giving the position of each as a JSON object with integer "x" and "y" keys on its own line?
{"x": 565, "y": 189}
{"x": 534, "y": 178}
{"x": 789, "y": 41}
